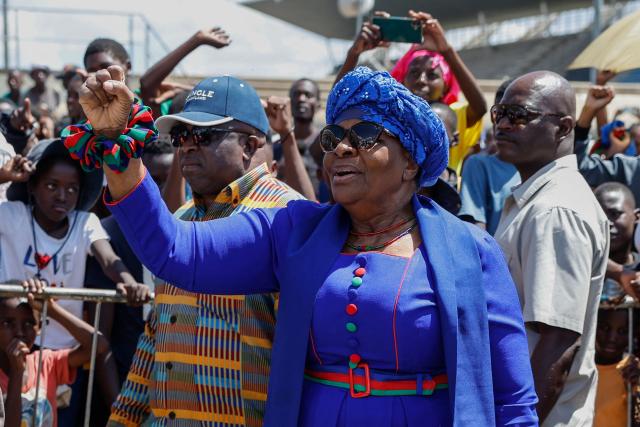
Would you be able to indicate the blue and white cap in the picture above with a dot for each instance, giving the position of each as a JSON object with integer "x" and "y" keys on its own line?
{"x": 218, "y": 100}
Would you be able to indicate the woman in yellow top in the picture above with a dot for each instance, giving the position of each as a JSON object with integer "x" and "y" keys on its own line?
{"x": 435, "y": 72}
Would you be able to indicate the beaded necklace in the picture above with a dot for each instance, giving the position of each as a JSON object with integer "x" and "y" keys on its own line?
{"x": 365, "y": 248}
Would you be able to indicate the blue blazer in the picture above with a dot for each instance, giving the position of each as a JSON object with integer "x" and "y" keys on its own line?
{"x": 292, "y": 250}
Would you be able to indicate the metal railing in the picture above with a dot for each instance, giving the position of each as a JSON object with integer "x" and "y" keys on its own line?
{"x": 98, "y": 296}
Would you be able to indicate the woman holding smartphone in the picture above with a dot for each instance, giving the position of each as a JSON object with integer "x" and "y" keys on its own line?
{"x": 434, "y": 71}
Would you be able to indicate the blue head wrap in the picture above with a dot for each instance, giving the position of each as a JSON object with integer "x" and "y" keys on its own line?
{"x": 377, "y": 97}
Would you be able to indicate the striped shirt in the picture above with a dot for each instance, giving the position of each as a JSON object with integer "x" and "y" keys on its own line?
{"x": 204, "y": 360}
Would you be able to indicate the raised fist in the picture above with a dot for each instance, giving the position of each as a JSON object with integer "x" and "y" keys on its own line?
{"x": 106, "y": 101}
{"x": 278, "y": 110}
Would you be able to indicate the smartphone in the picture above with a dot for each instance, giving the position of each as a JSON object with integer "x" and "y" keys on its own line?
{"x": 399, "y": 29}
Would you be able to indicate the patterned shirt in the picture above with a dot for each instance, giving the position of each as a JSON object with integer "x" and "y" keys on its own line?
{"x": 204, "y": 360}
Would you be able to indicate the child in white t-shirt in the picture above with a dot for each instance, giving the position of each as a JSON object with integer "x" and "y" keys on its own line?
{"x": 46, "y": 231}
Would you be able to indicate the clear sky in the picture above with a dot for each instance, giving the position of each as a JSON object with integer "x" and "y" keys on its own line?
{"x": 262, "y": 46}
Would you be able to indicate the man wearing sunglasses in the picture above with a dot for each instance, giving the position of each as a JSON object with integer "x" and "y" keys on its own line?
{"x": 555, "y": 237}
{"x": 206, "y": 358}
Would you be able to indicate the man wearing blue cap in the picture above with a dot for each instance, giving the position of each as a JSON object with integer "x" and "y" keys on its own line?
{"x": 205, "y": 359}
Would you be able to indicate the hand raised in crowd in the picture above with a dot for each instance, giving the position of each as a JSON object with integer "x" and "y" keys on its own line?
{"x": 136, "y": 293}
{"x": 598, "y": 97}
{"x": 369, "y": 37}
{"x": 603, "y": 76}
{"x": 216, "y": 37}
{"x": 278, "y": 111}
{"x": 106, "y": 101}
{"x": 432, "y": 32}
{"x": 17, "y": 351}
{"x": 17, "y": 169}
{"x": 22, "y": 118}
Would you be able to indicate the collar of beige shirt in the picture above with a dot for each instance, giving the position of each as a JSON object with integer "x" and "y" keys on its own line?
{"x": 523, "y": 192}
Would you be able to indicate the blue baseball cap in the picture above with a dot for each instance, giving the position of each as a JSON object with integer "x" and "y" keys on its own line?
{"x": 218, "y": 100}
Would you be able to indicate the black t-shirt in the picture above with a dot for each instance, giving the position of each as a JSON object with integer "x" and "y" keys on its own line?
{"x": 128, "y": 323}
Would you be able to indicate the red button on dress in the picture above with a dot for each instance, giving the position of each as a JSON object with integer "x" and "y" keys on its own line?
{"x": 352, "y": 309}
{"x": 360, "y": 272}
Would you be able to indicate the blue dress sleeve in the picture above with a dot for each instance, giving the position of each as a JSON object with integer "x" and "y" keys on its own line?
{"x": 513, "y": 387}
{"x": 233, "y": 255}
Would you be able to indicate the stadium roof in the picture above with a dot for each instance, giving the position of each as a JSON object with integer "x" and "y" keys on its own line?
{"x": 322, "y": 16}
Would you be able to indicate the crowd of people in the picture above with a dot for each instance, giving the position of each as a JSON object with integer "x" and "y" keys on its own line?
{"x": 270, "y": 241}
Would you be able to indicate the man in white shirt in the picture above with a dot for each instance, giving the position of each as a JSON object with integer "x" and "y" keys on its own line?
{"x": 556, "y": 240}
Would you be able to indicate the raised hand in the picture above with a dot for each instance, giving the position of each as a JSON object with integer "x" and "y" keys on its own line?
{"x": 598, "y": 97}
{"x": 106, "y": 101}
{"x": 22, "y": 119}
{"x": 369, "y": 36}
{"x": 432, "y": 32}
{"x": 17, "y": 169}
{"x": 278, "y": 111}
{"x": 603, "y": 76}
{"x": 216, "y": 37}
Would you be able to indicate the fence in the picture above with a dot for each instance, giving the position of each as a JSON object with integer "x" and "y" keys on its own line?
{"x": 100, "y": 296}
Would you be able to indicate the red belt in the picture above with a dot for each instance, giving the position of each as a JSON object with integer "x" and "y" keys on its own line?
{"x": 378, "y": 384}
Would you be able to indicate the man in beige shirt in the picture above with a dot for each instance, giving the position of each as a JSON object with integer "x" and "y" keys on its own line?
{"x": 556, "y": 240}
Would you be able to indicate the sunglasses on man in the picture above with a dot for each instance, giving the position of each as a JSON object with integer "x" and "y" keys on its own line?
{"x": 517, "y": 114}
{"x": 200, "y": 135}
{"x": 362, "y": 136}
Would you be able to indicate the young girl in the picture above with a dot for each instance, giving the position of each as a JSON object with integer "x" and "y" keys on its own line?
{"x": 19, "y": 327}
{"x": 46, "y": 233}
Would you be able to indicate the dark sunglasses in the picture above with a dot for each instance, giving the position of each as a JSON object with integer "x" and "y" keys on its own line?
{"x": 201, "y": 135}
{"x": 517, "y": 114}
{"x": 362, "y": 136}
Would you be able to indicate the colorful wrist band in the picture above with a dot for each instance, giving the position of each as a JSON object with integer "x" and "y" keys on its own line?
{"x": 93, "y": 150}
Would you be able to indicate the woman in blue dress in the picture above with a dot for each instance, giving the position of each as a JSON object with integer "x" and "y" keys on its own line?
{"x": 392, "y": 312}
